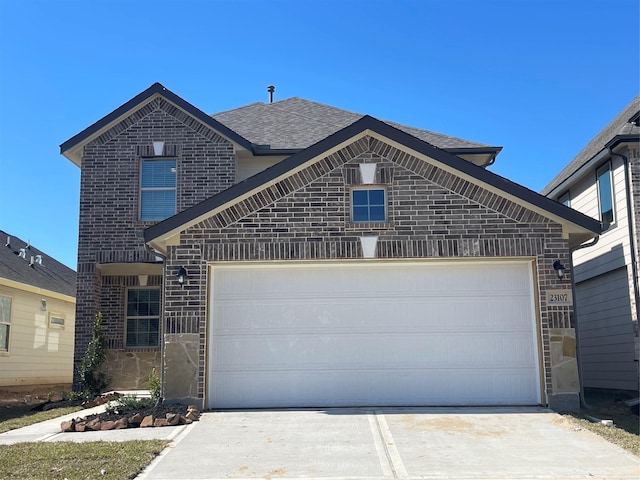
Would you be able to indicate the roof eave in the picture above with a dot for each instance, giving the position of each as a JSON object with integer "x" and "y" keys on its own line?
{"x": 72, "y": 148}
{"x": 173, "y": 225}
{"x": 591, "y": 163}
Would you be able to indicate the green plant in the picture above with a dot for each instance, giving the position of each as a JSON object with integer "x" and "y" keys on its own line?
{"x": 91, "y": 370}
{"x": 155, "y": 385}
{"x": 129, "y": 403}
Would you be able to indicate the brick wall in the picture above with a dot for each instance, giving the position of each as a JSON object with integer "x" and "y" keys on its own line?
{"x": 109, "y": 228}
{"x": 432, "y": 214}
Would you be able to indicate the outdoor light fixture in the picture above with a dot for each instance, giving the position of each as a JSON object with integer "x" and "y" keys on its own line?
{"x": 43, "y": 305}
{"x": 182, "y": 275}
{"x": 559, "y": 268}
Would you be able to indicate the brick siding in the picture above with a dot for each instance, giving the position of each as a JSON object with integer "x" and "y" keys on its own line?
{"x": 110, "y": 229}
{"x": 431, "y": 214}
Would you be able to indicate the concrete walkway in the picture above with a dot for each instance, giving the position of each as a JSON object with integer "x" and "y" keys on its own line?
{"x": 49, "y": 430}
{"x": 409, "y": 443}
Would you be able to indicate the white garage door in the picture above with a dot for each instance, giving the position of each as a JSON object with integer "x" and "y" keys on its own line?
{"x": 358, "y": 334}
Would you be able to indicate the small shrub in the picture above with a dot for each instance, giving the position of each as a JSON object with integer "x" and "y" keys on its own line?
{"x": 155, "y": 385}
{"x": 129, "y": 403}
{"x": 91, "y": 372}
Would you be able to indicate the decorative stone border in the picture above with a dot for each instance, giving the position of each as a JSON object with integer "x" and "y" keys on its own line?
{"x": 137, "y": 420}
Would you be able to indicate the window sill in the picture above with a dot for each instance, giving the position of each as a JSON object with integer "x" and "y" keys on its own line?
{"x": 359, "y": 226}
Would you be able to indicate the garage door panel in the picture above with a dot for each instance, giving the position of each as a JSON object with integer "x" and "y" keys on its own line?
{"x": 375, "y": 387}
{"x": 348, "y": 351}
{"x": 345, "y": 315}
{"x": 375, "y": 333}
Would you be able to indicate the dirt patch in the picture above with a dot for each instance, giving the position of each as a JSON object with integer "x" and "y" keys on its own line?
{"x": 450, "y": 424}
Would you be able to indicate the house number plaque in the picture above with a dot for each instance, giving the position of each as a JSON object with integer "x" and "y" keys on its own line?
{"x": 559, "y": 297}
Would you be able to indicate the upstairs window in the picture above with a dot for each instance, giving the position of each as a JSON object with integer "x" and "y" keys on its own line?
{"x": 605, "y": 195}
{"x": 5, "y": 322}
{"x": 565, "y": 199}
{"x": 157, "y": 188}
{"x": 369, "y": 205}
{"x": 143, "y": 317}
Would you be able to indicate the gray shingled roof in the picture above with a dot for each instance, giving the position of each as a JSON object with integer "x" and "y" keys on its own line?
{"x": 296, "y": 123}
{"x": 51, "y": 275}
{"x": 618, "y": 126}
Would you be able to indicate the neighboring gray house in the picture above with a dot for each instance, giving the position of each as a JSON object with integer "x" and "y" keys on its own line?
{"x": 603, "y": 181}
{"x": 294, "y": 254}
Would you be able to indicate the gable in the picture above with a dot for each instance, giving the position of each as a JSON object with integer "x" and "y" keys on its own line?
{"x": 139, "y": 106}
{"x": 373, "y": 136}
{"x": 441, "y": 214}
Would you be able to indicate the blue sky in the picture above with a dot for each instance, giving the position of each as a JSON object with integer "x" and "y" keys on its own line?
{"x": 537, "y": 77}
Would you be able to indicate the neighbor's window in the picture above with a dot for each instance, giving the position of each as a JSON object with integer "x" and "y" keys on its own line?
{"x": 368, "y": 205}
{"x": 56, "y": 320}
{"x": 605, "y": 195}
{"x": 5, "y": 322}
{"x": 143, "y": 317}
{"x": 157, "y": 188}
{"x": 565, "y": 199}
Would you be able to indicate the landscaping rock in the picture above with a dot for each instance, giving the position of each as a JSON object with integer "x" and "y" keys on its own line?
{"x": 121, "y": 423}
{"x": 94, "y": 424}
{"x": 173, "y": 419}
{"x": 160, "y": 422}
{"x": 192, "y": 413}
{"x": 147, "y": 421}
{"x": 81, "y": 426}
{"x": 136, "y": 420}
{"x": 107, "y": 425}
{"x": 68, "y": 426}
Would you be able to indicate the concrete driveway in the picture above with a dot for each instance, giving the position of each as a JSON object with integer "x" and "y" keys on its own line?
{"x": 391, "y": 443}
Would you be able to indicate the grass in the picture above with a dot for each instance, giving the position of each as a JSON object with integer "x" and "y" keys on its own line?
{"x": 609, "y": 405}
{"x": 22, "y": 416}
{"x": 69, "y": 460}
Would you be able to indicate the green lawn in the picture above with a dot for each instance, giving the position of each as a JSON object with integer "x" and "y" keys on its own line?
{"x": 22, "y": 416}
{"x": 69, "y": 460}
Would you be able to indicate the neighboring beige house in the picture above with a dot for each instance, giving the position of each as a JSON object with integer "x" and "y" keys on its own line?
{"x": 37, "y": 317}
{"x": 603, "y": 181}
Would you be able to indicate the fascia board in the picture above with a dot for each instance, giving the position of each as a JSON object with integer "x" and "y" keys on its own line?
{"x": 72, "y": 148}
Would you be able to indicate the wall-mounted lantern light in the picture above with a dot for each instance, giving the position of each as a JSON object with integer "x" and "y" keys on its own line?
{"x": 43, "y": 305}
{"x": 559, "y": 268}
{"x": 182, "y": 275}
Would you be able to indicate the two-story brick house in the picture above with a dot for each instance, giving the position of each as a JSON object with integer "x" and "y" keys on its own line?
{"x": 603, "y": 181}
{"x": 295, "y": 254}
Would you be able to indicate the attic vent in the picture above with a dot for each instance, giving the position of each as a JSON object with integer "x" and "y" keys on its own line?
{"x": 22, "y": 253}
{"x": 32, "y": 262}
{"x": 39, "y": 259}
{"x": 271, "y": 89}
{"x": 8, "y": 244}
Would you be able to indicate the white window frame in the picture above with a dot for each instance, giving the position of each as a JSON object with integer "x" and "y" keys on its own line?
{"x": 606, "y": 167}
{"x": 129, "y": 318}
{"x": 174, "y": 189}
{"x": 368, "y": 187}
{"x": 57, "y": 316}
{"x": 6, "y": 322}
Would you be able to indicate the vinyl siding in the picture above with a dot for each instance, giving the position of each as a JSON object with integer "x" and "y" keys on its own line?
{"x": 606, "y": 332}
{"x": 39, "y": 354}
{"x": 613, "y": 249}
{"x": 249, "y": 166}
